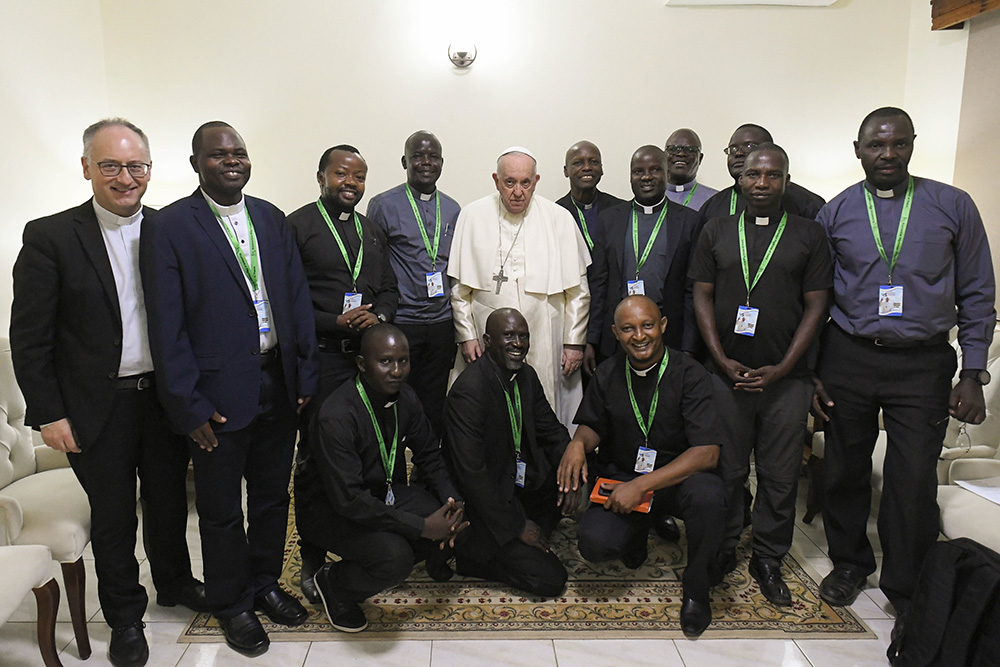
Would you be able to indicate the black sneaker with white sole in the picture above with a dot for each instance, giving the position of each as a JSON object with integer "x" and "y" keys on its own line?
{"x": 344, "y": 616}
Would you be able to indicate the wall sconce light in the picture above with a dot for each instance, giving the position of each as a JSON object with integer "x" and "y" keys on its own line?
{"x": 462, "y": 55}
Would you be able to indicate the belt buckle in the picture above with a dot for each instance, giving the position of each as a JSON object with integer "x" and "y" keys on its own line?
{"x": 345, "y": 345}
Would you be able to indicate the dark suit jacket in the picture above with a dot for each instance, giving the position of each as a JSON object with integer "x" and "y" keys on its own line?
{"x": 479, "y": 449}
{"x": 608, "y": 283}
{"x": 603, "y": 200}
{"x": 202, "y": 323}
{"x": 66, "y": 323}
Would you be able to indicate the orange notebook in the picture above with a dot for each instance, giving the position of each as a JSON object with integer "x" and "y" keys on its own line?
{"x": 598, "y": 496}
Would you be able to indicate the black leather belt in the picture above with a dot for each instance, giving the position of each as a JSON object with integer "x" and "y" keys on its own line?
{"x": 136, "y": 382}
{"x": 933, "y": 341}
{"x": 342, "y": 345}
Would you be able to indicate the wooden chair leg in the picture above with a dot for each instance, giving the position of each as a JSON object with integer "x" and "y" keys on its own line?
{"x": 47, "y": 598}
{"x": 75, "y": 578}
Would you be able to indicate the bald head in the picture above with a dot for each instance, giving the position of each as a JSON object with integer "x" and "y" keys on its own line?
{"x": 647, "y": 175}
{"x": 382, "y": 333}
{"x": 507, "y": 339}
{"x": 639, "y": 328}
{"x": 584, "y": 170}
{"x": 683, "y": 149}
{"x": 422, "y": 160}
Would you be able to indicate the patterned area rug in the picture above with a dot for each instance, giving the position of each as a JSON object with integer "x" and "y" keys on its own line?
{"x": 600, "y": 602}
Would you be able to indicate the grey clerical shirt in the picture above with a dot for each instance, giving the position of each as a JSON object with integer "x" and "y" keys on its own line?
{"x": 944, "y": 267}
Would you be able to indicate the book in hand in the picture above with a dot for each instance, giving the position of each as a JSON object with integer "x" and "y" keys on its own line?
{"x": 603, "y": 488}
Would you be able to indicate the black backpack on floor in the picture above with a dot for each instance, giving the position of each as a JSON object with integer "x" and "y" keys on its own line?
{"x": 954, "y": 617}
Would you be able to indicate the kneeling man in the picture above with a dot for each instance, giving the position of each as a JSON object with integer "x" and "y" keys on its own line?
{"x": 356, "y": 500}
{"x": 503, "y": 442}
{"x": 653, "y": 412}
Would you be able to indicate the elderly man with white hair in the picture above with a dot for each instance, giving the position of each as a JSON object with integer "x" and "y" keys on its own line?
{"x": 514, "y": 249}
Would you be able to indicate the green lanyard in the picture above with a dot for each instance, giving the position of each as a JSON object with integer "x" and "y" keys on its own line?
{"x": 646, "y": 425}
{"x": 251, "y": 268}
{"x": 687, "y": 200}
{"x": 514, "y": 413}
{"x": 904, "y": 219}
{"x": 356, "y": 271}
{"x": 744, "y": 260}
{"x": 388, "y": 458}
{"x": 639, "y": 261}
{"x": 583, "y": 227}
{"x": 432, "y": 250}
{"x": 732, "y": 202}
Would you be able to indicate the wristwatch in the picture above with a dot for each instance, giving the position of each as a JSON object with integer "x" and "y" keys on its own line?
{"x": 981, "y": 376}
{"x": 382, "y": 318}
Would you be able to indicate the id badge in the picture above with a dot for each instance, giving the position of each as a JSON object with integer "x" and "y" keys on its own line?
{"x": 645, "y": 460}
{"x": 435, "y": 284}
{"x": 636, "y": 287}
{"x": 890, "y": 300}
{"x": 522, "y": 469}
{"x": 746, "y": 321}
{"x": 390, "y": 498}
{"x": 263, "y": 315}
{"x": 352, "y": 300}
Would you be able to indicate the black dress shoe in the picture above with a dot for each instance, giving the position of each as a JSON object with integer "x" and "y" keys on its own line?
{"x": 437, "y": 565}
{"x": 767, "y": 573}
{"x": 128, "y": 647}
{"x": 634, "y": 558}
{"x": 190, "y": 595}
{"x": 667, "y": 528}
{"x": 310, "y": 566}
{"x": 281, "y": 607}
{"x": 841, "y": 587}
{"x": 344, "y": 616}
{"x": 245, "y": 634}
{"x": 725, "y": 562}
{"x": 695, "y": 616}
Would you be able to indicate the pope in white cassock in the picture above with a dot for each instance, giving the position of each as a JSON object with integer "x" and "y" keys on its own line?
{"x": 516, "y": 250}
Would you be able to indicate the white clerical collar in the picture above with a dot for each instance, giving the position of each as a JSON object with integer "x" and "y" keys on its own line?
{"x": 585, "y": 207}
{"x": 343, "y": 216}
{"x": 641, "y": 373}
{"x": 683, "y": 187}
{"x": 762, "y": 222}
{"x": 426, "y": 196}
{"x": 112, "y": 220}
{"x": 891, "y": 192}
{"x": 392, "y": 402}
{"x": 648, "y": 210}
{"x": 228, "y": 211}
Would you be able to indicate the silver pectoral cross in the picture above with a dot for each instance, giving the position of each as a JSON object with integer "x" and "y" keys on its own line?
{"x": 499, "y": 278}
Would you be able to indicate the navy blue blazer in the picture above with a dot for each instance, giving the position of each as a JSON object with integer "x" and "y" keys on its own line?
{"x": 202, "y": 322}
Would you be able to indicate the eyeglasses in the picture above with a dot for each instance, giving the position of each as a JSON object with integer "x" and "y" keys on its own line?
{"x": 683, "y": 150}
{"x": 135, "y": 169}
{"x": 746, "y": 147}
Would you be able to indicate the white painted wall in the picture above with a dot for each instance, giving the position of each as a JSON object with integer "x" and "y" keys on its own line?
{"x": 297, "y": 77}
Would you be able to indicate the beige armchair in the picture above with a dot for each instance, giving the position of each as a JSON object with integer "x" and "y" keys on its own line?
{"x": 965, "y": 514}
{"x": 27, "y": 568}
{"x": 41, "y": 501}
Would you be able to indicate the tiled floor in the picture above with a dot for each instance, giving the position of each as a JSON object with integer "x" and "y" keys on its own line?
{"x": 18, "y": 647}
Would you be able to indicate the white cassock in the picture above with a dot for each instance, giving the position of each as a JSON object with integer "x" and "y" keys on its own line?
{"x": 546, "y": 271}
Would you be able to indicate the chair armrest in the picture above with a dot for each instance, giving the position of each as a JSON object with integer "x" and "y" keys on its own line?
{"x": 973, "y": 452}
{"x": 47, "y": 458}
{"x": 971, "y": 469}
{"x": 11, "y": 520}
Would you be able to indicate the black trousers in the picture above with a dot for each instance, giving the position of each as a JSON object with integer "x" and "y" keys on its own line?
{"x": 698, "y": 501}
{"x": 516, "y": 564}
{"x": 371, "y": 560}
{"x": 136, "y": 438}
{"x": 432, "y": 354}
{"x": 771, "y": 425}
{"x": 911, "y": 386}
{"x": 241, "y": 564}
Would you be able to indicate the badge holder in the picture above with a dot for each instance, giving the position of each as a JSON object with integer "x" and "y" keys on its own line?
{"x": 746, "y": 321}
{"x": 352, "y": 300}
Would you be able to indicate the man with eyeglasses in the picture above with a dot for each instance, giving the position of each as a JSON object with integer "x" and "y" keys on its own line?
{"x": 82, "y": 360}
{"x": 232, "y": 329}
{"x": 911, "y": 260}
{"x": 730, "y": 201}
{"x": 418, "y": 221}
{"x": 761, "y": 284}
{"x": 353, "y": 288}
{"x": 519, "y": 250}
{"x": 684, "y": 157}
